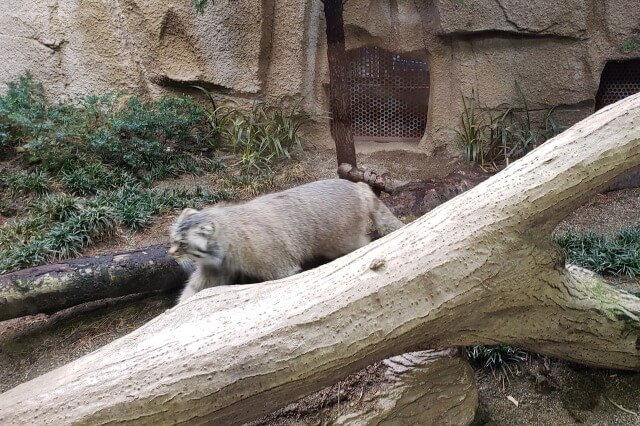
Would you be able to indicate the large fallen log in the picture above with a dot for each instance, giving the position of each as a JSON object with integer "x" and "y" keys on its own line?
{"x": 479, "y": 269}
{"x": 50, "y": 288}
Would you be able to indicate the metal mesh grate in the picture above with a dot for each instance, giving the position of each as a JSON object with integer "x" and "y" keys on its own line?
{"x": 619, "y": 79}
{"x": 389, "y": 95}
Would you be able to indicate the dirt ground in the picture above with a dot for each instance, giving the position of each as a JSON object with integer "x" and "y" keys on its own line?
{"x": 548, "y": 392}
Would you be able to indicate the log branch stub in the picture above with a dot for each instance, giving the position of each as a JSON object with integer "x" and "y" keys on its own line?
{"x": 376, "y": 181}
{"x": 418, "y": 197}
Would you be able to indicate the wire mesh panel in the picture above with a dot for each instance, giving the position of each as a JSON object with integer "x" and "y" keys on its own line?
{"x": 619, "y": 79}
{"x": 389, "y": 95}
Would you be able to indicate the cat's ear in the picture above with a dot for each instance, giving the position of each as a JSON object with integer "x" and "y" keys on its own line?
{"x": 188, "y": 212}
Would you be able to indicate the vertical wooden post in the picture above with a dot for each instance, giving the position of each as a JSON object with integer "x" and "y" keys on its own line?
{"x": 339, "y": 100}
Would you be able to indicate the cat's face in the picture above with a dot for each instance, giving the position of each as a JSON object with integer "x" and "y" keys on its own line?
{"x": 193, "y": 236}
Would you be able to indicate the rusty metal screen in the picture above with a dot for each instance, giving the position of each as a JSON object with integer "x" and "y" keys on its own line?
{"x": 619, "y": 79}
{"x": 389, "y": 95}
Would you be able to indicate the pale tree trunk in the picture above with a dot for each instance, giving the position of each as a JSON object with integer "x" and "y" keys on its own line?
{"x": 479, "y": 269}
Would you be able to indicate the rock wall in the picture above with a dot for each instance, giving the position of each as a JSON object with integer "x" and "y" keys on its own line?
{"x": 268, "y": 49}
{"x": 141, "y": 45}
{"x": 555, "y": 51}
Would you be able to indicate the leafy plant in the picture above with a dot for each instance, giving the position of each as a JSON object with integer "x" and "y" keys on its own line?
{"x": 471, "y": 134}
{"x": 22, "y": 182}
{"x": 264, "y": 135}
{"x": 497, "y": 359}
{"x": 618, "y": 254}
{"x": 56, "y": 207}
{"x": 88, "y": 178}
{"x": 200, "y": 5}
{"x": 93, "y": 163}
{"x": 21, "y": 111}
{"x": 109, "y": 133}
{"x": 631, "y": 43}
{"x": 494, "y": 138}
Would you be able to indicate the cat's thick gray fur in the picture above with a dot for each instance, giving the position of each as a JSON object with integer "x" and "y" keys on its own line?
{"x": 272, "y": 236}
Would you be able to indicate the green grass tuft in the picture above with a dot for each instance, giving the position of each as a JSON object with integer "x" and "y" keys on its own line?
{"x": 24, "y": 183}
{"x": 618, "y": 254}
{"x": 56, "y": 207}
{"x": 494, "y": 138}
{"x": 93, "y": 161}
{"x": 497, "y": 359}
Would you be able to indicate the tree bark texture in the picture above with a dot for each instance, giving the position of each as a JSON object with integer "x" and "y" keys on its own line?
{"x": 50, "y": 288}
{"x": 425, "y": 388}
{"x": 421, "y": 388}
{"x": 479, "y": 269}
{"x": 339, "y": 99}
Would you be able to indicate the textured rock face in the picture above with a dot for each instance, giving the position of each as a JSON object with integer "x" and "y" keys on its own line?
{"x": 555, "y": 52}
{"x": 267, "y": 49}
{"x": 98, "y": 45}
{"x": 535, "y": 17}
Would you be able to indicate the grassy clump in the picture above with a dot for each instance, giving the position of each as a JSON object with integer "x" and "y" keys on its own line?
{"x": 264, "y": 135}
{"x": 495, "y": 138}
{"x": 21, "y": 111}
{"x": 22, "y": 183}
{"x": 91, "y": 164}
{"x": 62, "y": 226}
{"x": 617, "y": 254}
{"x": 112, "y": 131}
{"x": 87, "y": 167}
{"x": 498, "y": 359}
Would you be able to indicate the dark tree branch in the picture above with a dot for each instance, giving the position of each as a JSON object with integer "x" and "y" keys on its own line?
{"x": 339, "y": 99}
{"x": 50, "y": 288}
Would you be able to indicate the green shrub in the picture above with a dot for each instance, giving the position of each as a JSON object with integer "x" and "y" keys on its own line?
{"x": 89, "y": 178}
{"x": 146, "y": 135}
{"x": 94, "y": 161}
{"x": 87, "y": 226}
{"x": 498, "y": 358}
{"x": 21, "y": 231}
{"x": 618, "y": 254}
{"x": 20, "y": 256}
{"x": 122, "y": 132}
{"x": 471, "y": 134}
{"x": 23, "y": 183}
{"x": 22, "y": 110}
{"x": 56, "y": 207}
{"x": 265, "y": 135}
{"x": 494, "y": 138}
